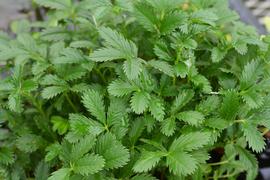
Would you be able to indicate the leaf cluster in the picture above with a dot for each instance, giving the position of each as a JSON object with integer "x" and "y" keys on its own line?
{"x": 139, "y": 90}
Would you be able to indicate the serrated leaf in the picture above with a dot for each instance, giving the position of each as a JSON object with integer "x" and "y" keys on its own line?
{"x": 106, "y": 54}
{"x": 55, "y": 34}
{"x": 162, "y": 52}
{"x": 114, "y": 153}
{"x": 52, "y": 91}
{"x": 208, "y": 105}
{"x": 205, "y": 16}
{"x": 250, "y": 74}
{"x": 248, "y": 160}
{"x": 217, "y": 54}
{"x": 140, "y": 101}
{"x": 253, "y": 137}
{"x": 181, "y": 69}
{"x": 230, "y": 105}
{"x": 193, "y": 118}
{"x": 162, "y": 66}
{"x": 132, "y": 68}
{"x": 216, "y": 123}
{"x": 147, "y": 161}
{"x": 136, "y": 130}
{"x": 191, "y": 141}
{"x": 182, "y": 99}
{"x": 70, "y": 56}
{"x": 29, "y": 85}
{"x": 171, "y": 21}
{"x": 53, "y": 80}
{"x": 42, "y": 171}
{"x": 241, "y": 47}
{"x": 60, "y": 174}
{"x": 82, "y": 126}
{"x": 89, "y": 164}
{"x": 82, "y": 147}
{"x": 168, "y": 126}
{"x": 29, "y": 142}
{"x": 252, "y": 98}
{"x": 53, "y": 151}
{"x": 93, "y": 101}
{"x": 120, "y": 88}
{"x": 6, "y": 156}
{"x": 156, "y": 108}
{"x": 202, "y": 82}
{"x": 59, "y": 124}
{"x": 181, "y": 163}
{"x": 15, "y": 103}
{"x": 146, "y": 16}
{"x": 117, "y": 41}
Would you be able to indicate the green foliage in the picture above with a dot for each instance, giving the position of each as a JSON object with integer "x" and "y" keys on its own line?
{"x": 133, "y": 89}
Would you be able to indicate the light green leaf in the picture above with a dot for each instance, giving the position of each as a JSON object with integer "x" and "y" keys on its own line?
{"x": 182, "y": 99}
{"x": 250, "y": 74}
{"x": 191, "y": 117}
{"x": 202, "y": 82}
{"x": 70, "y": 56}
{"x": 191, "y": 141}
{"x": 181, "y": 163}
{"x": 230, "y": 105}
{"x": 253, "y": 137}
{"x": 156, "y": 108}
{"x": 29, "y": 142}
{"x": 171, "y": 21}
{"x": 59, "y": 124}
{"x": 146, "y": 16}
{"x": 248, "y": 160}
{"x": 55, "y": 33}
{"x": 15, "y": 103}
{"x": 93, "y": 101}
{"x": 209, "y": 105}
{"x": 82, "y": 126}
{"x": 114, "y": 153}
{"x": 217, "y": 54}
{"x": 106, "y": 54}
{"x": 117, "y": 41}
{"x": 60, "y": 174}
{"x": 89, "y": 164}
{"x": 140, "y": 101}
{"x": 252, "y": 98}
{"x": 82, "y": 147}
{"x": 147, "y": 161}
{"x": 132, "y": 68}
{"x": 168, "y": 126}
{"x": 216, "y": 123}
{"x": 162, "y": 66}
{"x": 53, "y": 151}
{"x": 52, "y": 91}
{"x": 121, "y": 88}
{"x": 53, "y": 80}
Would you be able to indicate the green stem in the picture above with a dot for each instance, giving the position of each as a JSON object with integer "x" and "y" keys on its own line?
{"x": 36, "y": 104}
{"x": 266, "y": 130}
{"x": 70, "y": 103}
{"x": 240, "y": 121}
{"x": 218, "y": 163}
